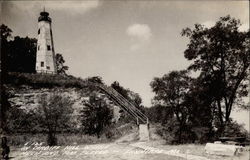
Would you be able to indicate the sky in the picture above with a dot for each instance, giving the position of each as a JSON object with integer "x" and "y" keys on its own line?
{"x": 126, "y": 41}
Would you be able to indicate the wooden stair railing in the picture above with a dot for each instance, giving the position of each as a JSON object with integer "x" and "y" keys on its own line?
{"x": 125, "y": 104}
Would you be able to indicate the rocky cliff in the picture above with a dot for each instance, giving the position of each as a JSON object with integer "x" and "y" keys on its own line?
{"x": 25, "y": 90}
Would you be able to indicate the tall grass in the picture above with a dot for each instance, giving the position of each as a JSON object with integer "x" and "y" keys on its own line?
{"x": 45, "y": 80}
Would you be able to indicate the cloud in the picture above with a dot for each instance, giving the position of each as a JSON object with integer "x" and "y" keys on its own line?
{"x": 70, "y": 6}
{"x": 141, "y": 34}
{"x": 140, "y": 31}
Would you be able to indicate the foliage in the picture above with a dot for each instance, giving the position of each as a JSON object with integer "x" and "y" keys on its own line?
{"x": 96, "y": 115}
{"x": 202, "y": 105}
{"x": 221, "y": 53}
{"x": 5, "y": 36}
{"x": 201, "y": 110}
{"x": 45, "y": 80}
{"x": 233, "y": 128}
{"x": 95, "y": 79}
{"x": 120, "y": 89}
{"x": 5, "y": 32}
{"x": 4, "y": 107}
{"x": 19, "y": 54}
{"x": 61, "y": 68}
{"x": 171, "y": 91}
{"x": 130, "y": 96}
{"x": 21, "y": 121}
{"x": 54, "y": 113}
{"x": 158, "y": 113}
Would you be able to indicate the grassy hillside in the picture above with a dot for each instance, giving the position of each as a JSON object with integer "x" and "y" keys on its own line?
{"x": 45, "y": 80}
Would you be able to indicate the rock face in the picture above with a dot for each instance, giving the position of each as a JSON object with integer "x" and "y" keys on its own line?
{"x": 27, "y": 97}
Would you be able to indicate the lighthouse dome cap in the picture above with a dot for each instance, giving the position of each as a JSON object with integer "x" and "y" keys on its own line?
{"x": 44, "y": 16}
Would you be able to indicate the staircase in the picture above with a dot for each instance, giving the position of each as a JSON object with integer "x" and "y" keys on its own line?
{"x": 130, "y": 107}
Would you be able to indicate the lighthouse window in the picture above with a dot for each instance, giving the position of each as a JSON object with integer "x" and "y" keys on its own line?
{"x": 38, "y": 31}
{"x": 42, "y": 64}
{"x": 48, "y": 47}
{"x": 48, "y": 67}
{"x": 38, "y": 47}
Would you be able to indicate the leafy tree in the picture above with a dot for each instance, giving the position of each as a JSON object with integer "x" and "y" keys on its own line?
{"x": 22, "y": 121}
{"x": 158, "y": 113}
{"x": 4, "y": 106}
{"x": 18, "y": 54}
{"x": 130, "y": 96}
{"x": 55, "y": 112}
{"x": 21, "y": 55}
{"x": 95, "y": 116}
{"x": 5, "y": 37}
{"x": 170, "y": 91}
{"x": 233, "y": 128}
{"x": 4, "y": 103}
{"x": 201, "y": 109}
{"x": 95, "y": 79}
{"x": 116, "y": 85}
{"x": 61, "y": 68}
{"x": 221, "y": 54}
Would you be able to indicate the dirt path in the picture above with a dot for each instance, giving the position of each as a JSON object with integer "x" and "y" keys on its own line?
{"x": 112, "y": 151}
{"x": 118, "y": 151}
{"x": 125, "y": 148}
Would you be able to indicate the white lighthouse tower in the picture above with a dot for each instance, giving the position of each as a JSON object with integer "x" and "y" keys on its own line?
{"x": 45, "y": 55}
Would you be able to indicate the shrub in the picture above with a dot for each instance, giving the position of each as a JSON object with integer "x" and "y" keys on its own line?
{"x": 95, "y": 116}
{"x": 54, "y": 113}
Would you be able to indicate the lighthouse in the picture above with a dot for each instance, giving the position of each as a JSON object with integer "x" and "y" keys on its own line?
{"x": 45, "y": 55}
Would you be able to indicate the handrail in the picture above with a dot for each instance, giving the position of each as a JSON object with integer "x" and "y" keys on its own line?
{"x": 124, "y": 103}
{"x": 135, "y": 109}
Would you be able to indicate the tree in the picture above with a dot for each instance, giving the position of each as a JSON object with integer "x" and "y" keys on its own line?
{"x": 95, "y": 115}
{"x": 221, "y": 54}
{"x": 4, "y": 103}
{"x": 131, "y": 96}
{"x": 171, "y": 90}
{"x": 22, "y": 55}
{"x": 95, "y": 79}
{"x": 4, "y": 107}
{"x": 22, "y": 121}
{"x": 55, "y": 112}
{"x": 124, "y": 92}
{"x": 158, "y": 113}
{"x": 61, "y": 68}
{"x": 201, "y": 110}
{"x": 5, "y": 37}
{"x": 17, "y": 54}
{"x": 128, "y": 94}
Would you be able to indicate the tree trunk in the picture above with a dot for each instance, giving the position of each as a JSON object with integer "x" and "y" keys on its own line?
{"x": 220, "y": 113}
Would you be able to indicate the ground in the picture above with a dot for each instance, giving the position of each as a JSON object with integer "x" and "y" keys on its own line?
{"x": 123, "y": 149}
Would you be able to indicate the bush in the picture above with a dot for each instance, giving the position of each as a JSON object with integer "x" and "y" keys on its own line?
{"x": 96, "y": 116}
{"x": 233, "y": 129}
{"x": 22, "y": 121}
{"x": 54, "y": 114}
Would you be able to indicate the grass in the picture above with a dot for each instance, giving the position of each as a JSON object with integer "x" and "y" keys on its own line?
{"x": 18, "y": 140}
{"x": 196, "y": 149}
{"x": 44, "y": 80}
